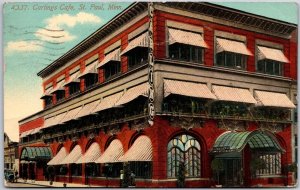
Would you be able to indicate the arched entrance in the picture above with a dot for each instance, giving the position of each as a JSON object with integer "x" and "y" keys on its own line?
{"x": 244, "y": 154}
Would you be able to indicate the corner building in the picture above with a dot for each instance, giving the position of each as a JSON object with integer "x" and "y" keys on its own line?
{"x": 169, "y": 83}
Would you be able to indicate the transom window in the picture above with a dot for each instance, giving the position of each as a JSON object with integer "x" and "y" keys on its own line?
{"x": 186, "y": 149}
{"x": 270, "y": 67}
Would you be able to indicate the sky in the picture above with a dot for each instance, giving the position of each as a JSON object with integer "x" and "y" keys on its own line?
{"x": 35, "y": 34}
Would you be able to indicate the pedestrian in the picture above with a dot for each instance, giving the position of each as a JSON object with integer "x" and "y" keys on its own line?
{"x": 132, "y": 179}
{"x": 16, "y": 176}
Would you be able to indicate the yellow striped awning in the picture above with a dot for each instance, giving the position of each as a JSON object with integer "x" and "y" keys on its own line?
{"x": 74, "y": 156}
{"x": 112, "y": 56}
{"x": 71, "y": 114}
{"x": 141, "y": 150}
{"x": 232, "y": 94}
{"x": 272, "y": 54}
{"x": 273, "y": 99}
{"x": 47, "y": 93}
{"x": 91, "y": 155}
{"x": 59, "y": 86}
{"x": 73, "y": 78}
{"x": 113, "y": 152}
{"x": 88, "y": 109}
{"x": 185, "y": 37}
{"x": 190, "y": 89}
{"x": 58, "y": 158}
{"x": 133, "y": 93}
{"x": 232, "y": 46}
{"x": 49, "y": 122}
{"x": 140, "y": 41}
{"x": 108, "y": 102}
{"x": 90, "y": 69}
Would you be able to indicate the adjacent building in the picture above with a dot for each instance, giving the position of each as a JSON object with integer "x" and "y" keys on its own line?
{"x": 165, "y": 84}
{"x": 11, "y": 158}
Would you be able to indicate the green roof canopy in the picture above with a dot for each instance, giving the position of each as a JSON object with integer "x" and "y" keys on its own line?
{"x": 236, "y": 141}
{"x": 36, "y": 153}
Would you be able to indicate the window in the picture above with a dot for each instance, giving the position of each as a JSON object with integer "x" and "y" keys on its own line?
{"x": 48, "y": 101}
{"x": 60, "y": 95}
{"x": 74, "y": 88}
{"x": 92, "y": 169}
{"x": 186, "y": 53}
{"x": 231, "y": 60}
{"x": 137, "y": 57}
{"x": 273, "y": 164}
{"x": 111, "y": 69}
{"x": 186, "y": 149}
{"x": 270, "y": 67}
{"x": 90, "y": 80}
{"x": 112, "y": 169}
{"x": 76, "y": 169}
{"x": 141, "y": 169}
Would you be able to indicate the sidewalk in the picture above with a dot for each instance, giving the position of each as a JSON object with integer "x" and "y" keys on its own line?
{"x": 55, "y": 184}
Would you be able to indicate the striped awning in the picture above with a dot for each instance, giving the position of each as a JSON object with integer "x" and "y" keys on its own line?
{"x": 271, "y": 53}
{"x": 71, "y": 114}
{"x": 88, "y": 109}
{"x": 141, "y": 150}
{"x": 72, "y": 79}
{"x": 190, "y": 89}
{"x": 55, "y": 120}
{"x": 26, "y": 133}
{"x": 185, "y": 37}
{"x": 90, "y": 69}
{"x": 273, "y": 99}
{"x": 91, "y": 155}
{"x": 59, "y": 86}
{"x": 47, "y": 93}
{"x": 232, "y": 46}
{"x": 58, "y": 158}
{"x": 140, "y": 41}
{"x": 113, "y": 152}
{"x": 112, "y": 56}
{"x": 232, "y": 94}
{"x": 108, "y": 102}
{"x": 73, "y": 156}
{"x": 133, "y": 93}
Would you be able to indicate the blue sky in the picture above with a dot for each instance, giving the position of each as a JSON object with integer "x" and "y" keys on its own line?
{"x": 35, "y": 34}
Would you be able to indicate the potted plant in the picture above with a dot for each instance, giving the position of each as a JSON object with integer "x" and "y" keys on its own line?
{"x": 63, "y": 171}
{"x": 181, "y": 175}
{"x": 217, "y": 166}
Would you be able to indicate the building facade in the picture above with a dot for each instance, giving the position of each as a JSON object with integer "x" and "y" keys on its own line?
{"x": 11, "y": 158}
{"x": 169, "y": 84}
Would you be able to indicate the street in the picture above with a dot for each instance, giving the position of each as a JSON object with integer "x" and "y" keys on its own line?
{"x": 7, "y": 184}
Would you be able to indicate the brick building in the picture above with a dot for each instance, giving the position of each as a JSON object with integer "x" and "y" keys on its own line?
{"x": 169, "y": 83}
{"x": 11, "y": 158}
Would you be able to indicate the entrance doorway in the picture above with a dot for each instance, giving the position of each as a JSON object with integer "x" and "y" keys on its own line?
{"x": 232, "y": 175}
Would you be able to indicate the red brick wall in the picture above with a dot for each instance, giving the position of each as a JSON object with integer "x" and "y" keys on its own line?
{"x": 31, "y": 125}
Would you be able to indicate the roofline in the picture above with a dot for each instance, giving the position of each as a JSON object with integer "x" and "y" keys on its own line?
{"x": 40, "y": 73}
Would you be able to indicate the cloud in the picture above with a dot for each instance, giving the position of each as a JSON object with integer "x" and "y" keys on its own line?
{"x": 57, "y": 21}
{"x": 24, "y": 46}
{"x": 63, "y": 36}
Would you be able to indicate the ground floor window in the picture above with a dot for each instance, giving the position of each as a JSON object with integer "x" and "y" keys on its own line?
{"x": 272, "y": 164}
{"x": 141, "y": 169}
{"x": 112, "y": 169}
{"x": 92, "y": 169}
{"x": 76, "y": 169}
{"x": 186, "y": 149}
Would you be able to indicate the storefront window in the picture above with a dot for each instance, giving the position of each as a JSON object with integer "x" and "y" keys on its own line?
{"x": 184, "y": 52}
{"x": 141, "y": 169}
{"x": 76, "y": 169}
{"x": 92, "y": 169}
{"x": 186, "y": 149}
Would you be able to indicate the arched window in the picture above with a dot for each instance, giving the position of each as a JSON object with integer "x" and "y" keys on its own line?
{"x": 184, "y": 148}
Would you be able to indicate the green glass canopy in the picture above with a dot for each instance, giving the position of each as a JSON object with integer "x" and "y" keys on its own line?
{"x": 36, "y": 153}
{"x": 236, "y": 141}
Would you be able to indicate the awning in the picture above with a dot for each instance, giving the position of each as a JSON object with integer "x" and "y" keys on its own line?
{"x": 108, "y": 102}
{"x": 232, "y": 94}
{"x": 271, "y": 53}
{"x": 59, "y": 86}
{"x": 58, "y": 158}
{"x": 185, "y": 37}
{"x": 91, "y": 155}
{"x": 133, "y": 93}
{"x": 140, "y": 41}
{"x": 112, "y": 56}
{"x": 36, "y": 153}
{"x": 273, "y": 99}
{"x": 88, "y": 109}
{"x": 113, "y": 152}
{"x": 232, "y": 46}
{"x": 55, "y": 120}
{"x": 72, "y": 79}
{"x": 25, "y": 133}
{"x": 190, "y": 89}
{"x": 30, "y": 132}
{"x": 47, "y": 93}
{"x": 90, "y": 69}
{"x": 236, "y": 141}
{"x": 141, "y": 150}
{"x": 73, "y": 156}
{"x": 71, "y": 114}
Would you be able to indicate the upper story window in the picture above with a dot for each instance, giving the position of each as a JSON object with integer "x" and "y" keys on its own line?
{"x": 59, "y": 90}
{"x": 48, "y": 101}
{"x": 137, "y": 51}
{"x": 47, "y": 96}
{"x": 231, "y": 53}
{"x": 111, "y": 64}
{"x": 73, "y": 83}
{"x": 270, "y": 61}
{"x": 186, "y": 45}
{"x": 90, "y": 74}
